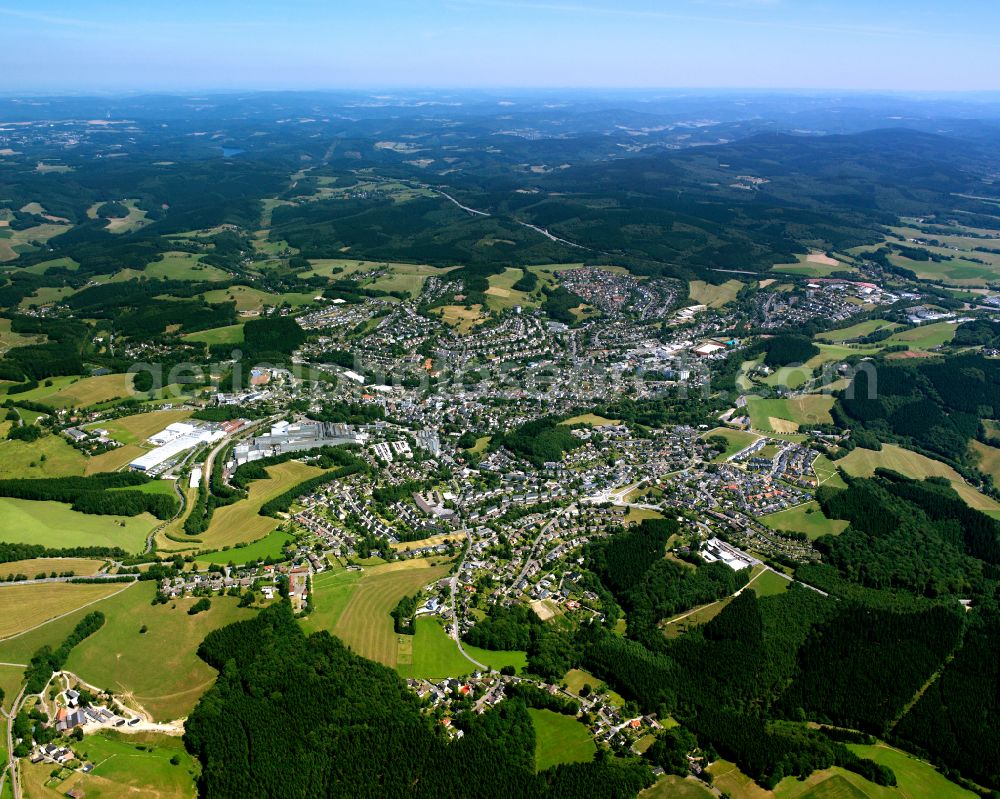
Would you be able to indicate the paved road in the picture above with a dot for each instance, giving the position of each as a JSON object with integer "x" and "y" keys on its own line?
{"x": 453, "y": 585}
{"x": 531, "y": 552}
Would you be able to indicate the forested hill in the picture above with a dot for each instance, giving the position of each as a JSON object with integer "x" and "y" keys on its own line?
{"x": 304, "y": 717}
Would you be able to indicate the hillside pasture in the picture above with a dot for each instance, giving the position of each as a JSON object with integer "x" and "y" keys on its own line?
{"x": 433, "y": 654}
{"x": 49, "y": 456}
{"x": 228, "y": 334}
{"x": 24, "y": 606}
{"x": 55, "y": 524}
{"x": 560, "y": 739}
{"x": 364, "y": 622}
{"x": 137, "y": 428}
{"x": 714, "y": 295}
{"x": 869, "y": 326}
{"x": 736, "y": 440}
{"x": 788, "y": 415}
{"x": 82, "y": 567}
{"x": 862, "y": 462}
{"x": 159, "y": 669}
{"x": 80, "y": 392}
{"x": 240, "y": 522}
{"x": 806, "y": 518}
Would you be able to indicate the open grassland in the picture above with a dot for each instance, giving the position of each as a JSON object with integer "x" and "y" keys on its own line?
{"x": 183, "y": 266}
{"x": 46, "y": 295}
{"x": 769, "y": 583}
{"x": 432, "y": 654}
{"x": 113, "y": 459}
{"x": 858, "y": 330}
{"x": 826, "y": 473}
{"x": 49, "y": 456}
{"x": 10, "y": 339}
{"x": 339, "y": 268}
{"x": 55, "y": 524}
{"x": 23, "y": 607}
{"x": 560, "y": 739}
{"x": 806, "y": 518}
{"x": 332, "y": 590}
{"x": 405, "y": 277}
{"x": 794, "y": 377}
{"x": 431, "y": 541}
{"x": 363, "y": 621}
{"x": 240, "y": 522}
{"x": 713, "y": 295}
{"x": 674, "y": 787}
{"x": 813, "y": 265}
{"x": 249, "y": 299}
{"x": 924, "y": 337}
{"x": 462, "y": 319}
{"x": 736, "y": 440}
{"x": 11, "y": 678}
{"x": 863, "y": 462}
{"x": 21, "y": 647}
{"x": 137, "y": 428}
{"x": 228, "y": 334}
{"x": 639, "y": 515}
{"x": 79, "y": 566}
{"x": 591, "y": 419}
{"x": 788, "y": 415}
{"x": 158, "y": 669}
{"x": 126, "y": 765}
{"x": 989, "y": 459}
{"x": 501, "y": 294}
{"x": 269, "y": 547}
{"x": 13, "y": 243}
{"x": 575, "y": 679}
{"x": 80, "y": 392}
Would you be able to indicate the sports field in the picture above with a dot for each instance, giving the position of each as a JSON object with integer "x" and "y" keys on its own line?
{"x": 134, "y": 764}
{"x": 359, "y": 606}
{"x": 54, "y": 524}
{"x": 80, "y": 391}
{"x": 79, "y": 566}
{"x": 736, "y": 440}
{"x": 713, "y": 295}
{"x": 241, "y": 523}
{"x": 863, "y": 462}
{"x": 560, "y": 739}
{"x": 159, "y": 669}
{"x": 23, "y": 607}
{"x": 432, "y": 654}
{"x": 806, "y": 518}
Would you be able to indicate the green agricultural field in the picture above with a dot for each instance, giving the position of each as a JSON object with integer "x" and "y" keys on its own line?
{"x": 794, "y": 377}
{"x": 988, "y": 459}
{"x": 55, "y": 524}
{"x": 673, "y": 787}
{"x": 813, "y": 265}
{"x": 79, "y": 566}
{"x": 49, "y": 456}
{"x": 10, "y": 339}
{"x": 134, "y": 764}
{"x": 251, "y": 299}
{"x": 269, "y": 547}
{"x": 736, "y": 440}
{"x": 591, "y": 419}
{"x": 855, "y": 331}
{"x": 501, "y": 293}
{"x": 158, "y": 669}
{"x": 360, "y": 613}
{"x": 575, "y": 679}
{"x": 826, "y": 473}
{"x": 229, "y": 334}
{"x": 405, "y": 277}
{"x": 183, "y": 266}
{"x": 713, "y": 295}
{"x": 788, "y": 415}
{"x": 806, "y": 518}
{"x": 21, "y": 647}
{"x": 923, "y": 337}
{"x": 916, "y": 778}
{"x": 863, "y": 462}
{"x": 240, "y": 523}
{"x": 25, "y": 606}
{"x": 332, "y": 590}
{"x": 560, "y": 739}
{"x": 768, "y": 583}
{"x": 80, "y": 392}
{"x": 433, "y": 654}
{"x": 11, "y": 679}
{"x": 137, "y": 428}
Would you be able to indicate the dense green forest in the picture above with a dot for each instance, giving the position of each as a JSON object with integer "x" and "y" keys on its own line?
{"x": 303, "y": 716}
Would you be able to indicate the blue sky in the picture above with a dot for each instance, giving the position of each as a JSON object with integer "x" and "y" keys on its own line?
{"x": 116, "y": 45}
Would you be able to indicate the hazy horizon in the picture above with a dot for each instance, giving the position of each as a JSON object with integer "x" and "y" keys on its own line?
{"x": 54, "y": 46}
